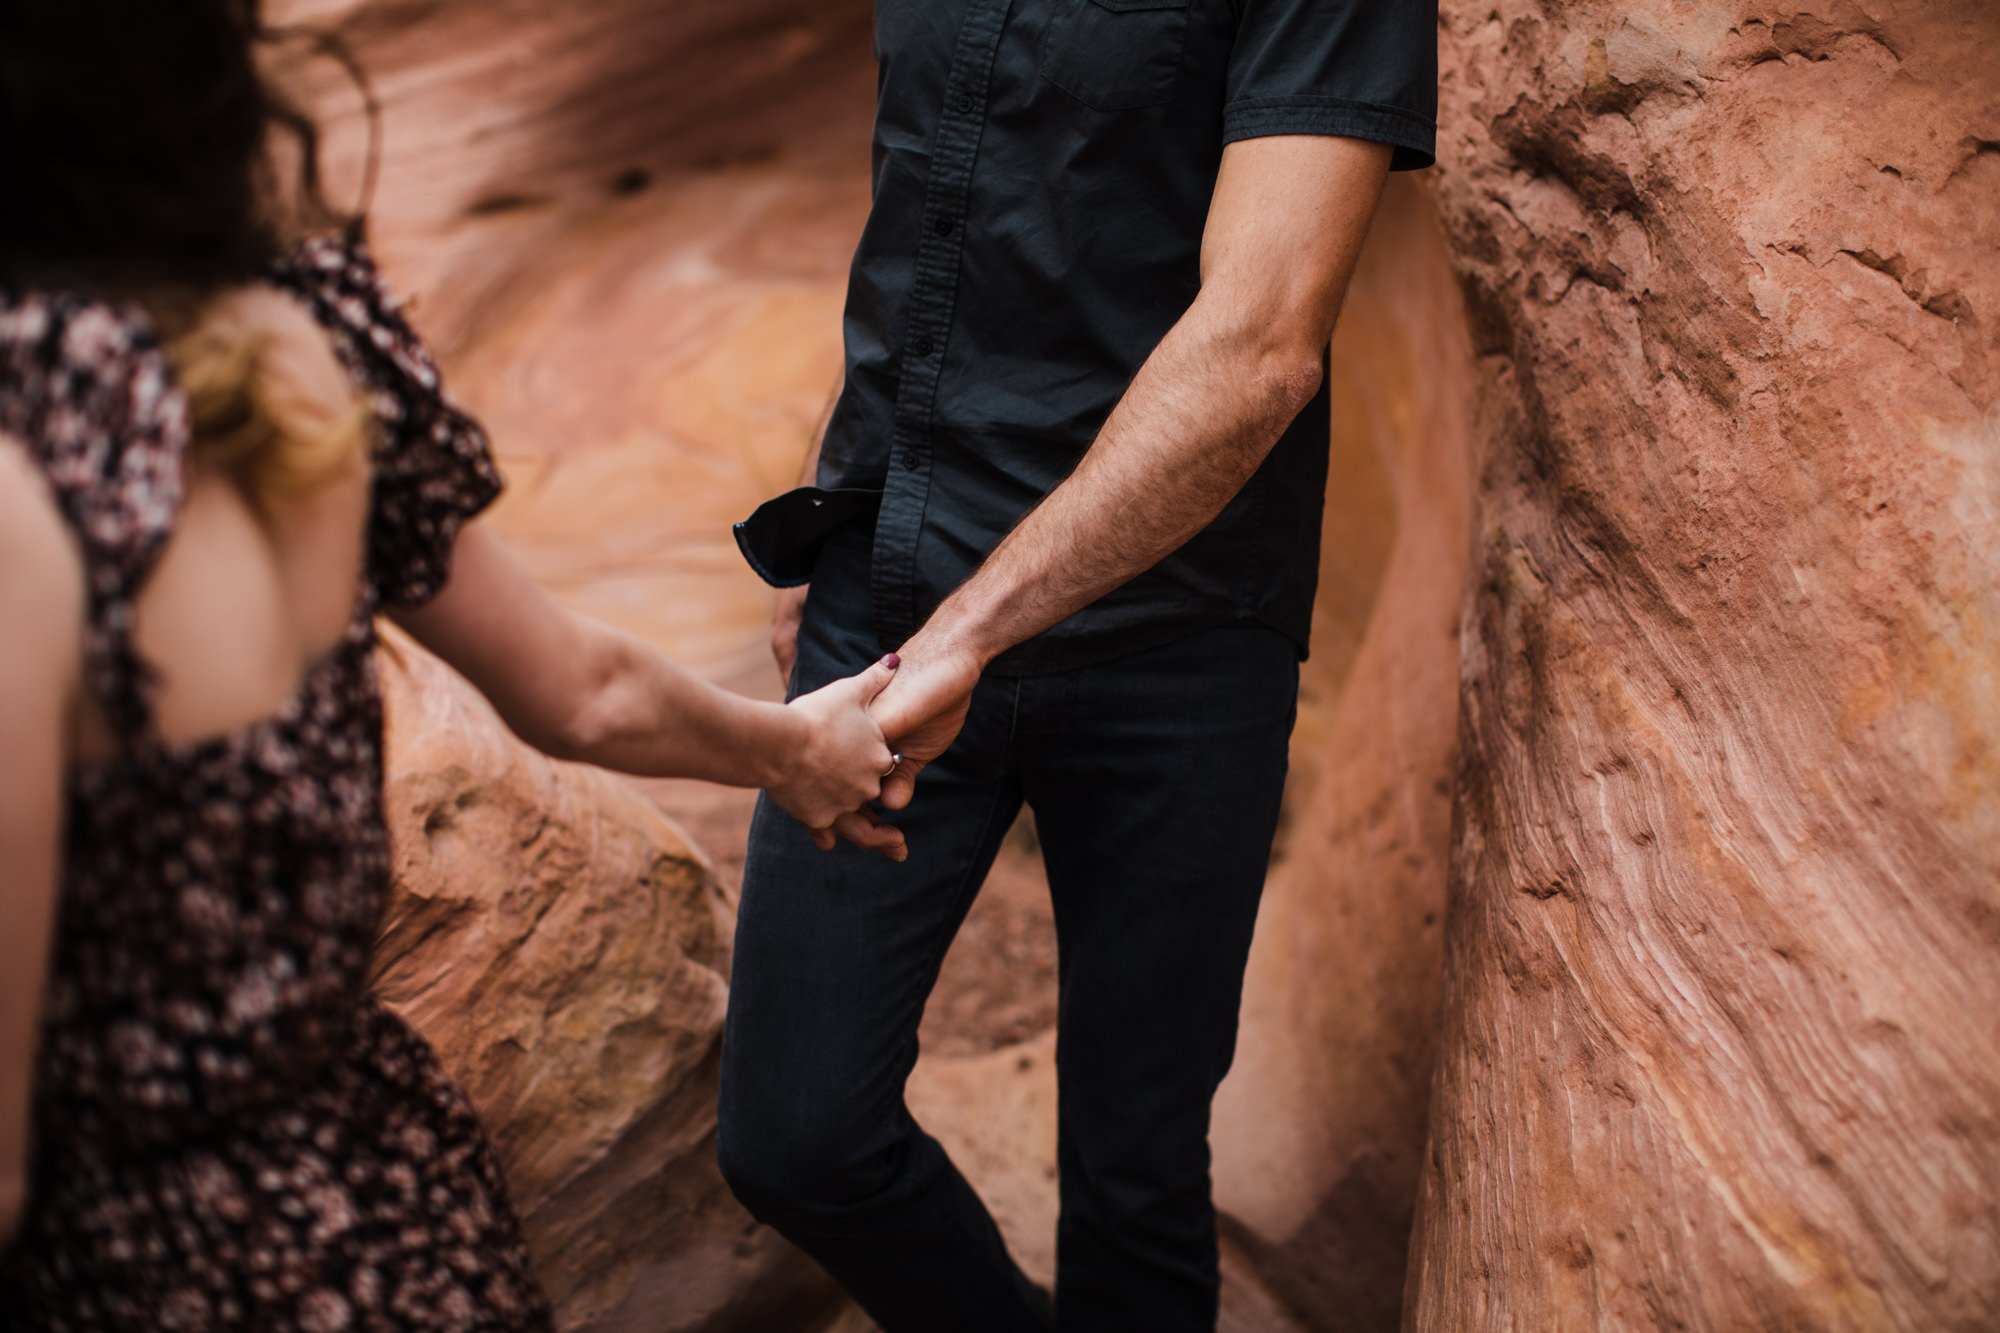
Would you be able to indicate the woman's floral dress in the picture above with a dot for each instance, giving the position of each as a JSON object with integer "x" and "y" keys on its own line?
{"x": 228, "y": 1132}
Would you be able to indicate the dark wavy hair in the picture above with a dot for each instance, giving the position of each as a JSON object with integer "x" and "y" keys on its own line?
{"x": 135, "y": 143}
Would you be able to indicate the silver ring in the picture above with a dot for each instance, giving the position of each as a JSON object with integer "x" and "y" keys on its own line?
{"x": 895, "y": 762}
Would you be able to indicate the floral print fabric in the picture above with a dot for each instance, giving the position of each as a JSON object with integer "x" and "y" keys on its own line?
{"x": 228, "y": 1133}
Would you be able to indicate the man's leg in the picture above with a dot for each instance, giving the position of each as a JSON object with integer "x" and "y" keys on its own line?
{"x": 1156, "y": 782}
{"x": 836, "y": 953}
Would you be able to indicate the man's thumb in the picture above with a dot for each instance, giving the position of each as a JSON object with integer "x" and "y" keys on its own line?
{"x": 901, "y": 785}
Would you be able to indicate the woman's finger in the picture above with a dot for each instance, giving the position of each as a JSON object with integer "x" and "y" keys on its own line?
{"x": 867, "y": 830}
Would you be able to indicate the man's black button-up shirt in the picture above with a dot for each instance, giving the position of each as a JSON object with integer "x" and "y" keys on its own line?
{"x": 1042, "y": 176}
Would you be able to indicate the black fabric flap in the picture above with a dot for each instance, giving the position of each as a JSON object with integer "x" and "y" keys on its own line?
{"x": 782, "y": 539}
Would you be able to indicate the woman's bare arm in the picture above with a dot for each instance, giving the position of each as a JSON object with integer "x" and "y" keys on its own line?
{"x": 41, "y": 607}
{"x": 578, "y": 689}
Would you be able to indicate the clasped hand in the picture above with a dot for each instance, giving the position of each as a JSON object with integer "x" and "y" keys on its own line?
{"x": 906, "y": 711}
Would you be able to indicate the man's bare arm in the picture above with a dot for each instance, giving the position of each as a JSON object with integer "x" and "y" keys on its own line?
{"x": 1284, "y": 232}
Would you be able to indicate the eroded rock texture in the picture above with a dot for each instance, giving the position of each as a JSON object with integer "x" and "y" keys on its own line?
{"x": 1722, "y": 1044}
{"x": 522, "y": 106}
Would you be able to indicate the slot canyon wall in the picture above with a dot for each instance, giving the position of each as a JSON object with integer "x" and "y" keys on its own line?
{"x": 1658, "y": 619}
{"x": 1721, "y": 1047}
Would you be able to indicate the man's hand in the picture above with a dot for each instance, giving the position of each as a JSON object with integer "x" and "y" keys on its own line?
{"x": 785, "y": 616}
{"x": 922, "y": 710}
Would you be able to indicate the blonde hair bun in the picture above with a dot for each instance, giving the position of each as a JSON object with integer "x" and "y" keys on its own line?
{"x": 268, "y": 400}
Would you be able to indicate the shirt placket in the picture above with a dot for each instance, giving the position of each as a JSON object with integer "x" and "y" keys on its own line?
{"x": 933, "y": 292}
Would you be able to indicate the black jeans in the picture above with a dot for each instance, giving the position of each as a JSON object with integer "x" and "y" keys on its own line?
{"x": 1155, "y": 781}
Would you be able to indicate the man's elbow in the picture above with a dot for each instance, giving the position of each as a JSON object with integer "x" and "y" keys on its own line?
{"x": 1274, "y": 349}
{"x": 1287, "y": 377}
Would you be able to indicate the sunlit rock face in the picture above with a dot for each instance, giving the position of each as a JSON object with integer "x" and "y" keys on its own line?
{"x": 1722, "y": 1042}
{"x": 511, "y": 106}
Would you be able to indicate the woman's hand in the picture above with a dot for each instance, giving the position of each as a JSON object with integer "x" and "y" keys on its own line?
{"x": 839, "y": 763}
{"x": 577, "y": 689}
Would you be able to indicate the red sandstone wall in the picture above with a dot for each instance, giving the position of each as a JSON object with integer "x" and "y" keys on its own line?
{"x": 1722, "y": 1037}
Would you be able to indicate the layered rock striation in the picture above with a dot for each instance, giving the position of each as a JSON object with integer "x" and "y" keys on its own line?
{"x": 1722, "y": 1033}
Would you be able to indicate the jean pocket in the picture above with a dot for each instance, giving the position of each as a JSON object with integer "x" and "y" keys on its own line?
{"x": 1116, "y": 55}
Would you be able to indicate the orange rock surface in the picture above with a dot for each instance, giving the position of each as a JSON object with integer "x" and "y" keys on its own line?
{"x": 1722, "y": 1043}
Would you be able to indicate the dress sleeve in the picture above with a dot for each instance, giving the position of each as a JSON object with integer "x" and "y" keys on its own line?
{"x": 1362, "y": 69}
{"x": 87, "y": 388}
{"x": 433, "y": 467}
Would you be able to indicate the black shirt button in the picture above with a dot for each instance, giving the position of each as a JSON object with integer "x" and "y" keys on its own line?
{"x": 962, "y": 103}
{"x": 911, "y": 460}
{"x": 925, "y": 347}
{"x": 942, "y": 226}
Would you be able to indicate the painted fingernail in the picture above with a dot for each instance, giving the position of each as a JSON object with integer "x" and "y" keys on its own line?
{"x": 892, "y": 661}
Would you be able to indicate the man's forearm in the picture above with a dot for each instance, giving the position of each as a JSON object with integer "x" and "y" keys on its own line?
{"x": 1198, "y": 420}
{"x": 1284, "y": 233}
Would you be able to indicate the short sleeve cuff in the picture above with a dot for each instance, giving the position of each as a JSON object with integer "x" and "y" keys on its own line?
{"x": 1413, "y": 136}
